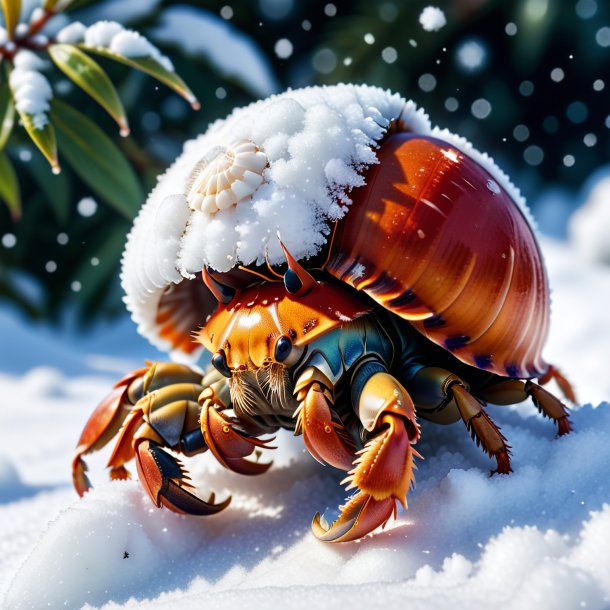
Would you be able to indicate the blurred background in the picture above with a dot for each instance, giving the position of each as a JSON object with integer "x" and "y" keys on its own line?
{"x": 527, "y": 81}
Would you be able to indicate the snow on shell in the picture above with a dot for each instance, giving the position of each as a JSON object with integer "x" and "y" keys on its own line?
{"x": 318, "y": 141}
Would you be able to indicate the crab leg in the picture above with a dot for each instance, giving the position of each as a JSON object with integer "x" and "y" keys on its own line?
{"x": 444, "y": 397}
{"x": 172, "y": 417}
{"x": 152, "y": 408}
{"x": 324, "y": 437}
{"x": 382, "y": 472}
{"x": 549, "y": 406}
{"x": 107, "y": 419}
{"x": 160, "y": 419}
{"x": 482, "y": 428}
{"x": 102, "y": 426}
{"x": 514, "y": 390}
{"x": 562, "y": 381}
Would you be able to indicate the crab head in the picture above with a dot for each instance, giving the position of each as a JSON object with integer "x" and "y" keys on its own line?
{"x": 270, "y": 323}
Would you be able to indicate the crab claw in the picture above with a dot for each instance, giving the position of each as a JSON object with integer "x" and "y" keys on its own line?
{"x": 382, "y": 472}
{"x": 359, "y": 516}
{"x": 165, "y": 481}
{"x": 228, "y": 444}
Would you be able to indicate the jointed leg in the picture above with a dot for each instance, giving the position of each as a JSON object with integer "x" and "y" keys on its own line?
{"x": 323, "y": 435}
{"x": 382, "y": 472}
{"x": 481, "y": 427}
{"x": 562, "y": 381}
{"x": 440, "y": 394}
{"x": 167, "y": 406}
{"x": 514, "y": 390}
{"x": 549, "y": 406}
{"x": 113, "y": 413}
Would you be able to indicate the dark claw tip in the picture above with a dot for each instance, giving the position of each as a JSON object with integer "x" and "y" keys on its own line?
{"x": 179, "y": 500}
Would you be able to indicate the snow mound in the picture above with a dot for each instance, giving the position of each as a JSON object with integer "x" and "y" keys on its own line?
{"x": 10, "y": 482}
{"x": 520, "y": 568}
{"x": 532, "y": 545}
{"x": 589, "y": 226}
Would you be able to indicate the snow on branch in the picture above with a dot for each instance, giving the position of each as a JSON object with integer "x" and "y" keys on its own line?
{"x": 31, "y": 89}
{"x": 112, "y": 36}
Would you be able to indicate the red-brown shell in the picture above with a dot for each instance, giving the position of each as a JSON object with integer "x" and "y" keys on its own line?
{"x": 436, "y": 240}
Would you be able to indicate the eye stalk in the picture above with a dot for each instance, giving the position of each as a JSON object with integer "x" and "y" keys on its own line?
{"x": 297, "y": 280}
{"x": 219, "y": 360}
{"x": 283, "y": 347}
{"x": 222, "y": 293}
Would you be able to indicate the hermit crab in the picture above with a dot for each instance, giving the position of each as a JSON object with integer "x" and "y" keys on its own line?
{"x": 350, "y": 269}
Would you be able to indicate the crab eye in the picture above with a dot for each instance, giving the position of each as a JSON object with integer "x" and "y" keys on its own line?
{"x": 283, "y": 347}
{"x": 219, "y": 360}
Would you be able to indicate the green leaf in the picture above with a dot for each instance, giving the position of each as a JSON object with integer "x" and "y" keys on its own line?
{"x": 9, "y": 186}
{"x": 7, "y": 114}
{"x": 152, "y": 67}
{"x": 90, "y": 77}
{"x": 96, "y": 159}
{"x": 11, "y": 10}
{"x": 57, "y": 188}
{"x": 43, "y": 138}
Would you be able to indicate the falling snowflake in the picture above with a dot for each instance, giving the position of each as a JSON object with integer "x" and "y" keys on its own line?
{"x": 432, "y": 19}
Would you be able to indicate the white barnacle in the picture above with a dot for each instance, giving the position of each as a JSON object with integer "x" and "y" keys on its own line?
{"x": 226, "y": 176}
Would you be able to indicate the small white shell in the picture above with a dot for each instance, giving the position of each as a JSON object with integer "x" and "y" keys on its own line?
{"x": 226, "y": 176}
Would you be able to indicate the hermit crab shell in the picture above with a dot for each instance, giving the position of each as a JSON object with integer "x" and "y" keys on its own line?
{"x": 426, "y": 225}
{"x": 453, "y": 255}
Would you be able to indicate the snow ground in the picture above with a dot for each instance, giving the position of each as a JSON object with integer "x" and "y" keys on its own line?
{"x": 537, "y": 538}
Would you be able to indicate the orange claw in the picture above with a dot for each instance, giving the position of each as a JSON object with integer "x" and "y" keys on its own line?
{"x": 228, "y": 445}
{"x": 165, "y": 480}
{"x": 324, "y": 438}
{"x": 359, "y": 516}
{"x": 383, "y": 471}
{"x": 385, "y": 466}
